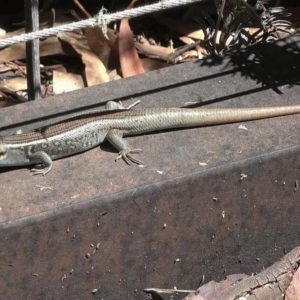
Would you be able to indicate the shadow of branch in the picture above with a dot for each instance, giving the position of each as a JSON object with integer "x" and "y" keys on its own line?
{"x": 271, "y": 66}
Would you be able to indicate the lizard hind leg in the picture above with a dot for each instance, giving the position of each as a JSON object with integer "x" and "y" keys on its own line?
{"x": 115, "y": 137}
{"x": 41, "y": 157}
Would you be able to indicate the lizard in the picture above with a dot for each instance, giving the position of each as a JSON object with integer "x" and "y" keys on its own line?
{"x": 87, "y": 130}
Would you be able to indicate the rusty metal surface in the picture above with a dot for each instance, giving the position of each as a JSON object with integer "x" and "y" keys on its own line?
{"x": 213, "y": 222}
{"x": 91, "y": 199}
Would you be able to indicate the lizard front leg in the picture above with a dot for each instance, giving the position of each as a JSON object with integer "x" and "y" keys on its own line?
{"x": 115, "y": 137}
{"x": 110, "y": 105}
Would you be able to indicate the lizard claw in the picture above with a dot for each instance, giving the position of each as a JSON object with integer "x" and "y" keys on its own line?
{"x": 43, "y": 171}
{"x": 128, "y": 158}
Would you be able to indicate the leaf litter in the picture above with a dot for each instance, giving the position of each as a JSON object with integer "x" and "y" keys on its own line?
{"x": 84, "y": 58}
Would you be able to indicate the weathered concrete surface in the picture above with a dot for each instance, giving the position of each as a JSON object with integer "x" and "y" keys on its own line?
{"x": 47, "y": 233}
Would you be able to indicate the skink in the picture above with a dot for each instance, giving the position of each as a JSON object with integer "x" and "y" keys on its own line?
{"x": 87, "y": 130}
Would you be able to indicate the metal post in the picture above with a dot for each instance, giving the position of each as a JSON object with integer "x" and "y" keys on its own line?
{"x": 32, "y": 50}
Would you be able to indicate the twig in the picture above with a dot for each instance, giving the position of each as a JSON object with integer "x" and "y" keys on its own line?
{"x": 79, "y": 5}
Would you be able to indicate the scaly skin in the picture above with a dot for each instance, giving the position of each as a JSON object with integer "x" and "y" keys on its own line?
{"x": 85, "y": 131}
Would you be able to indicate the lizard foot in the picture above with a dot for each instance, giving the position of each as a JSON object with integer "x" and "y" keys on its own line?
{"x": 43, "y": 171}
{"x": 128, "y": 158}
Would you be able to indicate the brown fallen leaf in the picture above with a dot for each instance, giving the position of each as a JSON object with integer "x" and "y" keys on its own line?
{"x": 154, "y": 51}
{"x": 129, "y": 59}
{"x": 187, "y": 40}
{"x": 113, "y": 75}
{"x": 17, "y": 68}
{"x": 2, "y": 33}
{"x": 66, "y": 82}
{"x": 4, "y": 68}
{"x": 213, "y": 290}
{"x": 271, "y": 283}
{"x": 189, "y": 54}
{"x": 293, "y": 291}
{"x": 95, "y": 71}
{"x": 104, "y": 48}
{"x": 142, "y": 40}
{"x": 195, "y": 297}
{"x": 10, "y": 96}
{"x": 15, "y": 84}
{"x": 150, "y": 64}
{"x": 49, "y": 46}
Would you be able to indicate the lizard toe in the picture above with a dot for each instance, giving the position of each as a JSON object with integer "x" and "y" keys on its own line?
{"x": 128, "y": 158}
{"x": 43, "y": 171}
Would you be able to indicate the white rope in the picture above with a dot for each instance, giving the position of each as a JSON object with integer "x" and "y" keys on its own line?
{"x": 101, "y": 20}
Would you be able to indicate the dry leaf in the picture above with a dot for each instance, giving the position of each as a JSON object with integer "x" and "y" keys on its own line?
{"x": 214, "y": 290}
{"x": 150, "y": 64}
{"x": 66, "y": 82}
{"x": 189, "y": 54}
{"x": 129, "y": 59}
{"x": 49, "y": 46}
{"x": 187, "y": 40}
{"x": 15, "y": 84}
{"x": 113, "y": 75}
{"x": 2, "y": 32}
{"x": 4, "y": 68}
{"x": 293, "y": 291}
{"x": 100, "y": 45}
{"x": 95, "y": 71}
{"x": 142, "y": 40}
{"x": 154, "y": 51}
